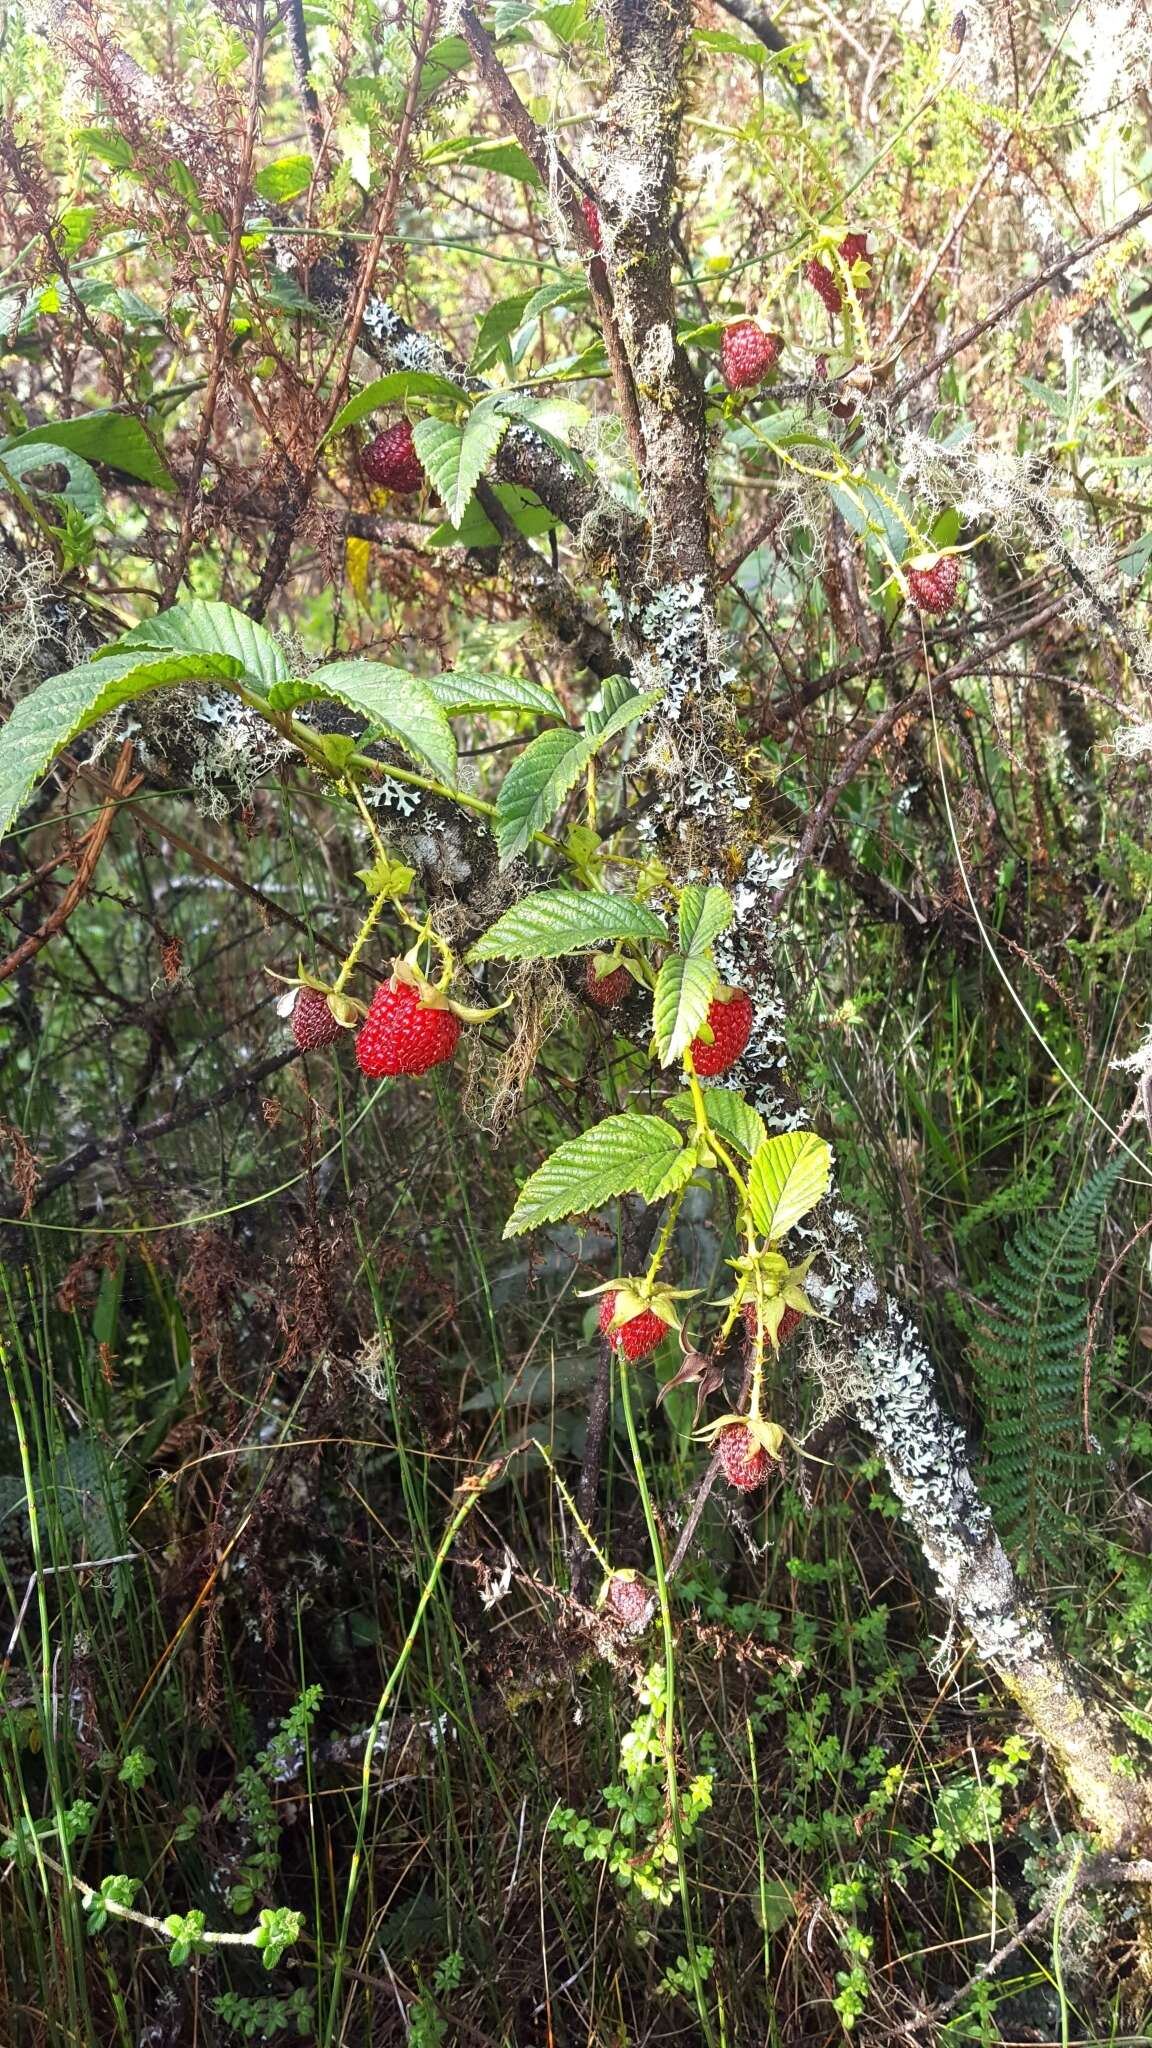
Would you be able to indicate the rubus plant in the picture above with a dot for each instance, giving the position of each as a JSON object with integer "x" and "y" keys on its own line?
{"x": 683, "y": 834}
{"x": 698, "y": 1024}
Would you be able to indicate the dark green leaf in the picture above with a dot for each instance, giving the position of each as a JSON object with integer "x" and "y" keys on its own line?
{"x": 114, "y": 438}
{"x": 49, "y": 717}
{"x": 284, "y": 179}
{"x": 211, "y": 627}
{"x": 397, "y": 387}
{"x": 399, "y": 703}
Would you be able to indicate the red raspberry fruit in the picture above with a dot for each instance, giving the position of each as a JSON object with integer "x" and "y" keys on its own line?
{"x": 391, "y": 461}
{"x": 313, "y": 1024}
{"x": 747, "y": 354}
{"x": 627, "y": 1599}
{"x": 744, "y": 1463}
{"x": 934, "y": 589}
{"x": 606, "y": 990}
{"x": 731, "y": 1026}
{"x": 854, "y": 249}
{"x": 789, "y": 1321}
{"x": 635, "y": 1338}
{"x": 822, "y": 281}
{"x": 592, "y": 223}
{"x": 403, "y": 1035}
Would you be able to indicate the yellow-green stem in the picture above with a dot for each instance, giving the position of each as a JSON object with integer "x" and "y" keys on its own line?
{"x": 362, "y": 938}
{"x": 665, "y": 1237}
{"x": 668, "y": 1724}
{"x": 573, "y": 1510}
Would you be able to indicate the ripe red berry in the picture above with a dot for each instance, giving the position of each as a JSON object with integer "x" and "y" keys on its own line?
{"x": 637, "y": 1337}
{"x": 731, "y": 1026}
{"x": 627, "y": 1599}
{"x": 933, "y": 589}
{"x": 404, "y": 1035}
{"x": 592, "y": 222}
{"x": 822, "y": 281}
{"x": 789, "y": 1321}
{"x": 391, "y": 461}
{"x": 747, "y": 354}
{"x": 313, "y": 1024}
{"x": 744, "y": 1463}
{"x": 854, "y": 249}
{"x": 605, "y": 990}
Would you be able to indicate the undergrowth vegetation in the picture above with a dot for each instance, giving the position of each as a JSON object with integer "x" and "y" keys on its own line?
{"x": 688, "y": 729}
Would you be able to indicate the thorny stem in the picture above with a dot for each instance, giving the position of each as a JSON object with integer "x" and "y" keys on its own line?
{"x": 362, "y": 938}
{"x": 757, "y": 1353}
{"x": 572, "y": 1508}
{"x": 668, "y": 1720}
{"x": 306, "y": 742}
{"x": 852, "y": 481}
{"x": 705, "y": 1131}
{"x": 665, "y": 1237}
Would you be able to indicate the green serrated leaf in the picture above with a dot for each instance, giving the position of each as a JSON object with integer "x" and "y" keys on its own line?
{"x": 572, "y": 291}
{"x": 114, "y": 438}
{"x": 628, "y": 1154}
{"x": 398, "y": 386}
{"x": 287, "y": 695}
{"x": 620, "y": 704}
{"x": 396, "y": 702}
{"x": 704, "y": 914}
{"x": 554, "y": 922}
{"x": 729, "y": 1115}
{"x": 455, "y": 458}
{"x": 504, "y": 157}
{"x": 790, "y": 1173}
{"x": 284, "y": 179}
{"x": 685, "y": 986}
{"x": 499, "y": 324}
{"x": 476, "y": 530}
{"x": 536, "y": 785}
{"x": 491, "y": 693}
{"x": 110, "y": 146}
{"x": 207, "y": 626}
{"x": 449, "y": 55}
{"x": 538, "y": 782}
{"x": 82, "y": 488}
{"x": 65, "y": 705}
{"x": 615, "y": 692}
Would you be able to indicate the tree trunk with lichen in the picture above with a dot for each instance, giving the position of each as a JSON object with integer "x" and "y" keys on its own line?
{"x": 708, "y": 824}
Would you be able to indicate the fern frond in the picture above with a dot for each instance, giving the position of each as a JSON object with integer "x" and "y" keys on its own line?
{"x": 1029, "y": 1360}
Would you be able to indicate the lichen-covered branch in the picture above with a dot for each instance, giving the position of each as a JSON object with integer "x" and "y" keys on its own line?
{"x": 708, "y": 821}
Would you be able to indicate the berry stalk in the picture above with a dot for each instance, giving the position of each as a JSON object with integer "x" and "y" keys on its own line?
{"x": 667, "y": 1723}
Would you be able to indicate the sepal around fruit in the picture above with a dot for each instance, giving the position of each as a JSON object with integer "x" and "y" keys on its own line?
{"x": 635, "y": 1298}
{"x": 781, "y": 1287}
{"x": 468, "y": 1015}
{"x": 768, "y": 1436}
{"x": 347, "y": 1011}
{"x": 406, "y": 974}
